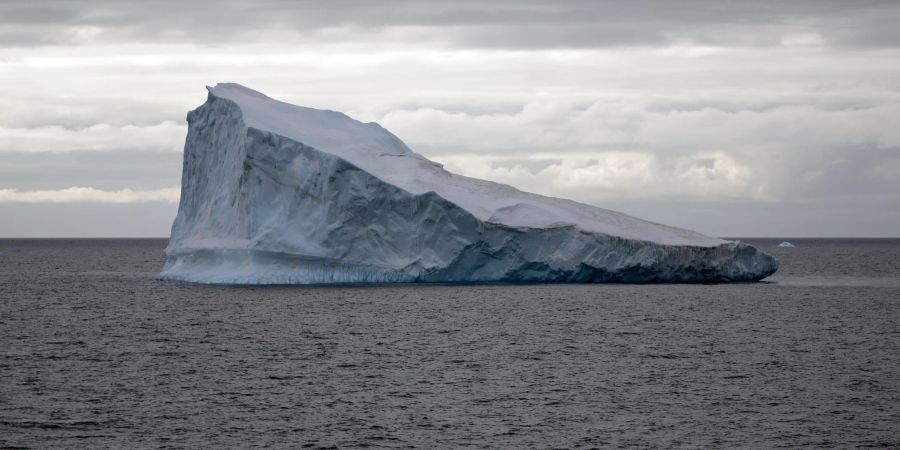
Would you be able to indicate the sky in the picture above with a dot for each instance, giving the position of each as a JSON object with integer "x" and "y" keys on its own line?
{"x": 763, "y": 118}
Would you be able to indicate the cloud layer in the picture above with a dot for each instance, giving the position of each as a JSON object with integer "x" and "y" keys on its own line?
{"x": 90, "y": 195}
{"x": 525, "y": 24}
{"x": 646, "y": 106}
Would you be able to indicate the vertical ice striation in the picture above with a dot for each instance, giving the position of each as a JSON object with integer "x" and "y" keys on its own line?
{"x": 277, "y": 193}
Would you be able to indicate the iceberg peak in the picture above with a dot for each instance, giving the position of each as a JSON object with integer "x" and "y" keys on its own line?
{"x": 223, "y": 89}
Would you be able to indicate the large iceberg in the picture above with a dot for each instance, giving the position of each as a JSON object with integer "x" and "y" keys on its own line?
{"x": 274, "y": 193}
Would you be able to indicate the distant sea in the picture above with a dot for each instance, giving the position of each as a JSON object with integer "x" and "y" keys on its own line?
{"x": 98, "y": 353}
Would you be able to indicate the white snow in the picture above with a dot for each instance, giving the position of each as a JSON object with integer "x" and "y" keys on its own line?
{"x": 377, "y": 151}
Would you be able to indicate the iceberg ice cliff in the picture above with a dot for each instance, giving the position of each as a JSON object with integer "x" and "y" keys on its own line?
{"x": 274, "y": 193}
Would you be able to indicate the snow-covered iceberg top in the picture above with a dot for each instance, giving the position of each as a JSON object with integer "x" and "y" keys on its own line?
{"x": 278, "y": 193}
{"x": 377, "y": 151}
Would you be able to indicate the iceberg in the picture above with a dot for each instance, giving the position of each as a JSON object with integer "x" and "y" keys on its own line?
{"x": 786, "y": 244}
{"x": 274, "y": 193}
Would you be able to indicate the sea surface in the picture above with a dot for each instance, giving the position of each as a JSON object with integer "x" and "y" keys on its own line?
{"x": 95, "y": 352}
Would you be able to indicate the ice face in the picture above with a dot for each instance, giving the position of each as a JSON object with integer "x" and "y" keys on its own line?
{"x": 276, "y": 193}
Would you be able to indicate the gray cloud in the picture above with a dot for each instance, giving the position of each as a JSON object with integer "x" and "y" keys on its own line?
{"x": 34, "y": 13}
{"x": 503, "y": 24}
{"x": 108, "y": 170}
{"x": 734, "y": 118}
{"x": 86, "y": 219}
{"x": 875, "y": 216}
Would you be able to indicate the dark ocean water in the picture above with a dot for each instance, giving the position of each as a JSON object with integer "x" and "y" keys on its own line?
{"x": 97, "y": 353}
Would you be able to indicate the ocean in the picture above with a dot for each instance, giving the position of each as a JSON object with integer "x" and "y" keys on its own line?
{"x": 96, "y": 353}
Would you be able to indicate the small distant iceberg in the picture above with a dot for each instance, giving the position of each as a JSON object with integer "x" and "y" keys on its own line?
{"x": 786, "y": 244}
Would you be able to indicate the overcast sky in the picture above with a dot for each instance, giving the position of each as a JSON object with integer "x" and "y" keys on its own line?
{"x": 732, "y": 118}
